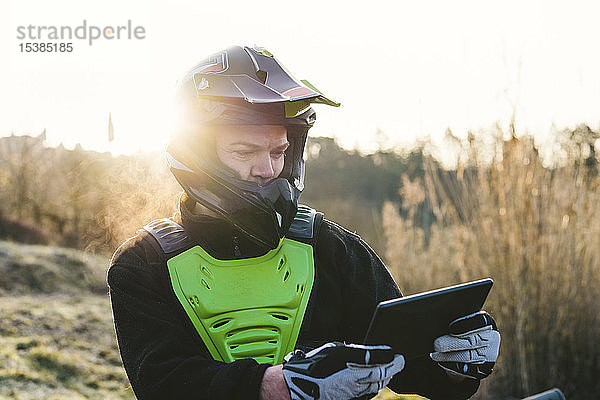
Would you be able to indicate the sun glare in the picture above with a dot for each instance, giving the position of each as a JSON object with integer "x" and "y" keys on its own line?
{"x": 396, "y": 75}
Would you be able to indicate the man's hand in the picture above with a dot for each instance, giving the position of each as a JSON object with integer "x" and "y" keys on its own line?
{"x": 340, "y": 371}
{"x": 273, "y": 385}
{"x": 471, "y": 348}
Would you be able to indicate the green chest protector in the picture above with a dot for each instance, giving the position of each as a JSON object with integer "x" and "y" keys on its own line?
{"x": 243, "y": 308}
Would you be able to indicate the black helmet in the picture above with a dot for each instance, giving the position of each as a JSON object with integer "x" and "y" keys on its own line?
{"x": 243, "y": 86}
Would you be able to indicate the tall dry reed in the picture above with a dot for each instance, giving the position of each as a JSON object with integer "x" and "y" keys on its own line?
{"x": 535, "y": 230}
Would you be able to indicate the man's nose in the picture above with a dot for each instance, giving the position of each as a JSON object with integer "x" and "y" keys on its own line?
{"x": 263, "y": 169}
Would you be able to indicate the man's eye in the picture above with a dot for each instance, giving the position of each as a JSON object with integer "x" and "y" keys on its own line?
{"x": 278, "y": 154}
{"x": 244, "y": 154}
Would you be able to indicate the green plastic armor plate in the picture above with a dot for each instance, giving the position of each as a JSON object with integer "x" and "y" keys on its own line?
{"x": 246, "y": 308}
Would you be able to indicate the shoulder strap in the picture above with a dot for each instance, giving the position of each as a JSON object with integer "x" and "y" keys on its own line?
{"x": 170, "y": 236}
{"x": 306, "y": 224}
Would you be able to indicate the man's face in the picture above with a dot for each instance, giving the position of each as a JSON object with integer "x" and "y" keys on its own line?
{"x": 254, "y": 152}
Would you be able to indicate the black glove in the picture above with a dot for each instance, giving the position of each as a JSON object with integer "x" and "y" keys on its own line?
{"x": 340, "y": 371}
{"x": 471, "y": 348}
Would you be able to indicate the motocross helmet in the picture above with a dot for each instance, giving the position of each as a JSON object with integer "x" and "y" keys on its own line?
{"x": 242, "y": 86}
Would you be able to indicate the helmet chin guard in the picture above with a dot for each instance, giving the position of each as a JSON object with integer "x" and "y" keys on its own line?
{"x": 262, "y": 212}
{"x": 243, "y": 86}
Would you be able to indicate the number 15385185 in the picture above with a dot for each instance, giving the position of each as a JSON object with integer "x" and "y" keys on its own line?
{"x": 36, "y": 47}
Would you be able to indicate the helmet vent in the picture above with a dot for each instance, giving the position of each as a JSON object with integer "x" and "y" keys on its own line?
{"x": 281, "y": 262}
{"x": 262, "y": 76}
{"x": 286, "y": 275}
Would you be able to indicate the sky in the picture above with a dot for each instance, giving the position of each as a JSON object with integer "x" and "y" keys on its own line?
{"x": 409, "y": 69}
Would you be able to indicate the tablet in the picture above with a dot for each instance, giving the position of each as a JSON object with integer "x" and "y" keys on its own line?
{"x": 410, "y": 324}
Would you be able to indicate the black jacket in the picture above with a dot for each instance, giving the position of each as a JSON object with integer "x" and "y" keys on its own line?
{"x": 164, "y": 356}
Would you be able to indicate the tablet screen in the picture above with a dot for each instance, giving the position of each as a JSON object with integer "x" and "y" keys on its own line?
{"x": 410, "y": 324}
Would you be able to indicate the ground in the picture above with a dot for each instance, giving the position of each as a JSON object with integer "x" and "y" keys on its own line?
{"x": 59, "y": 347}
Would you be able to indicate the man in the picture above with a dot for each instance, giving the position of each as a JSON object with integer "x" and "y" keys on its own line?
{"x": 244, "y": 294}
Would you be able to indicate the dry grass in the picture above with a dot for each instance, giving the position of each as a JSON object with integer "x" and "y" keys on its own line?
{"x": 56, "y": 333}
{"x": 59, "y": 347}
{"x": 44, "y": 269}
{"x": 536, "y": 231}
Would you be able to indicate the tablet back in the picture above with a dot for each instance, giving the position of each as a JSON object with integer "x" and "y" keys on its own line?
{"x": 410, "y": 324}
